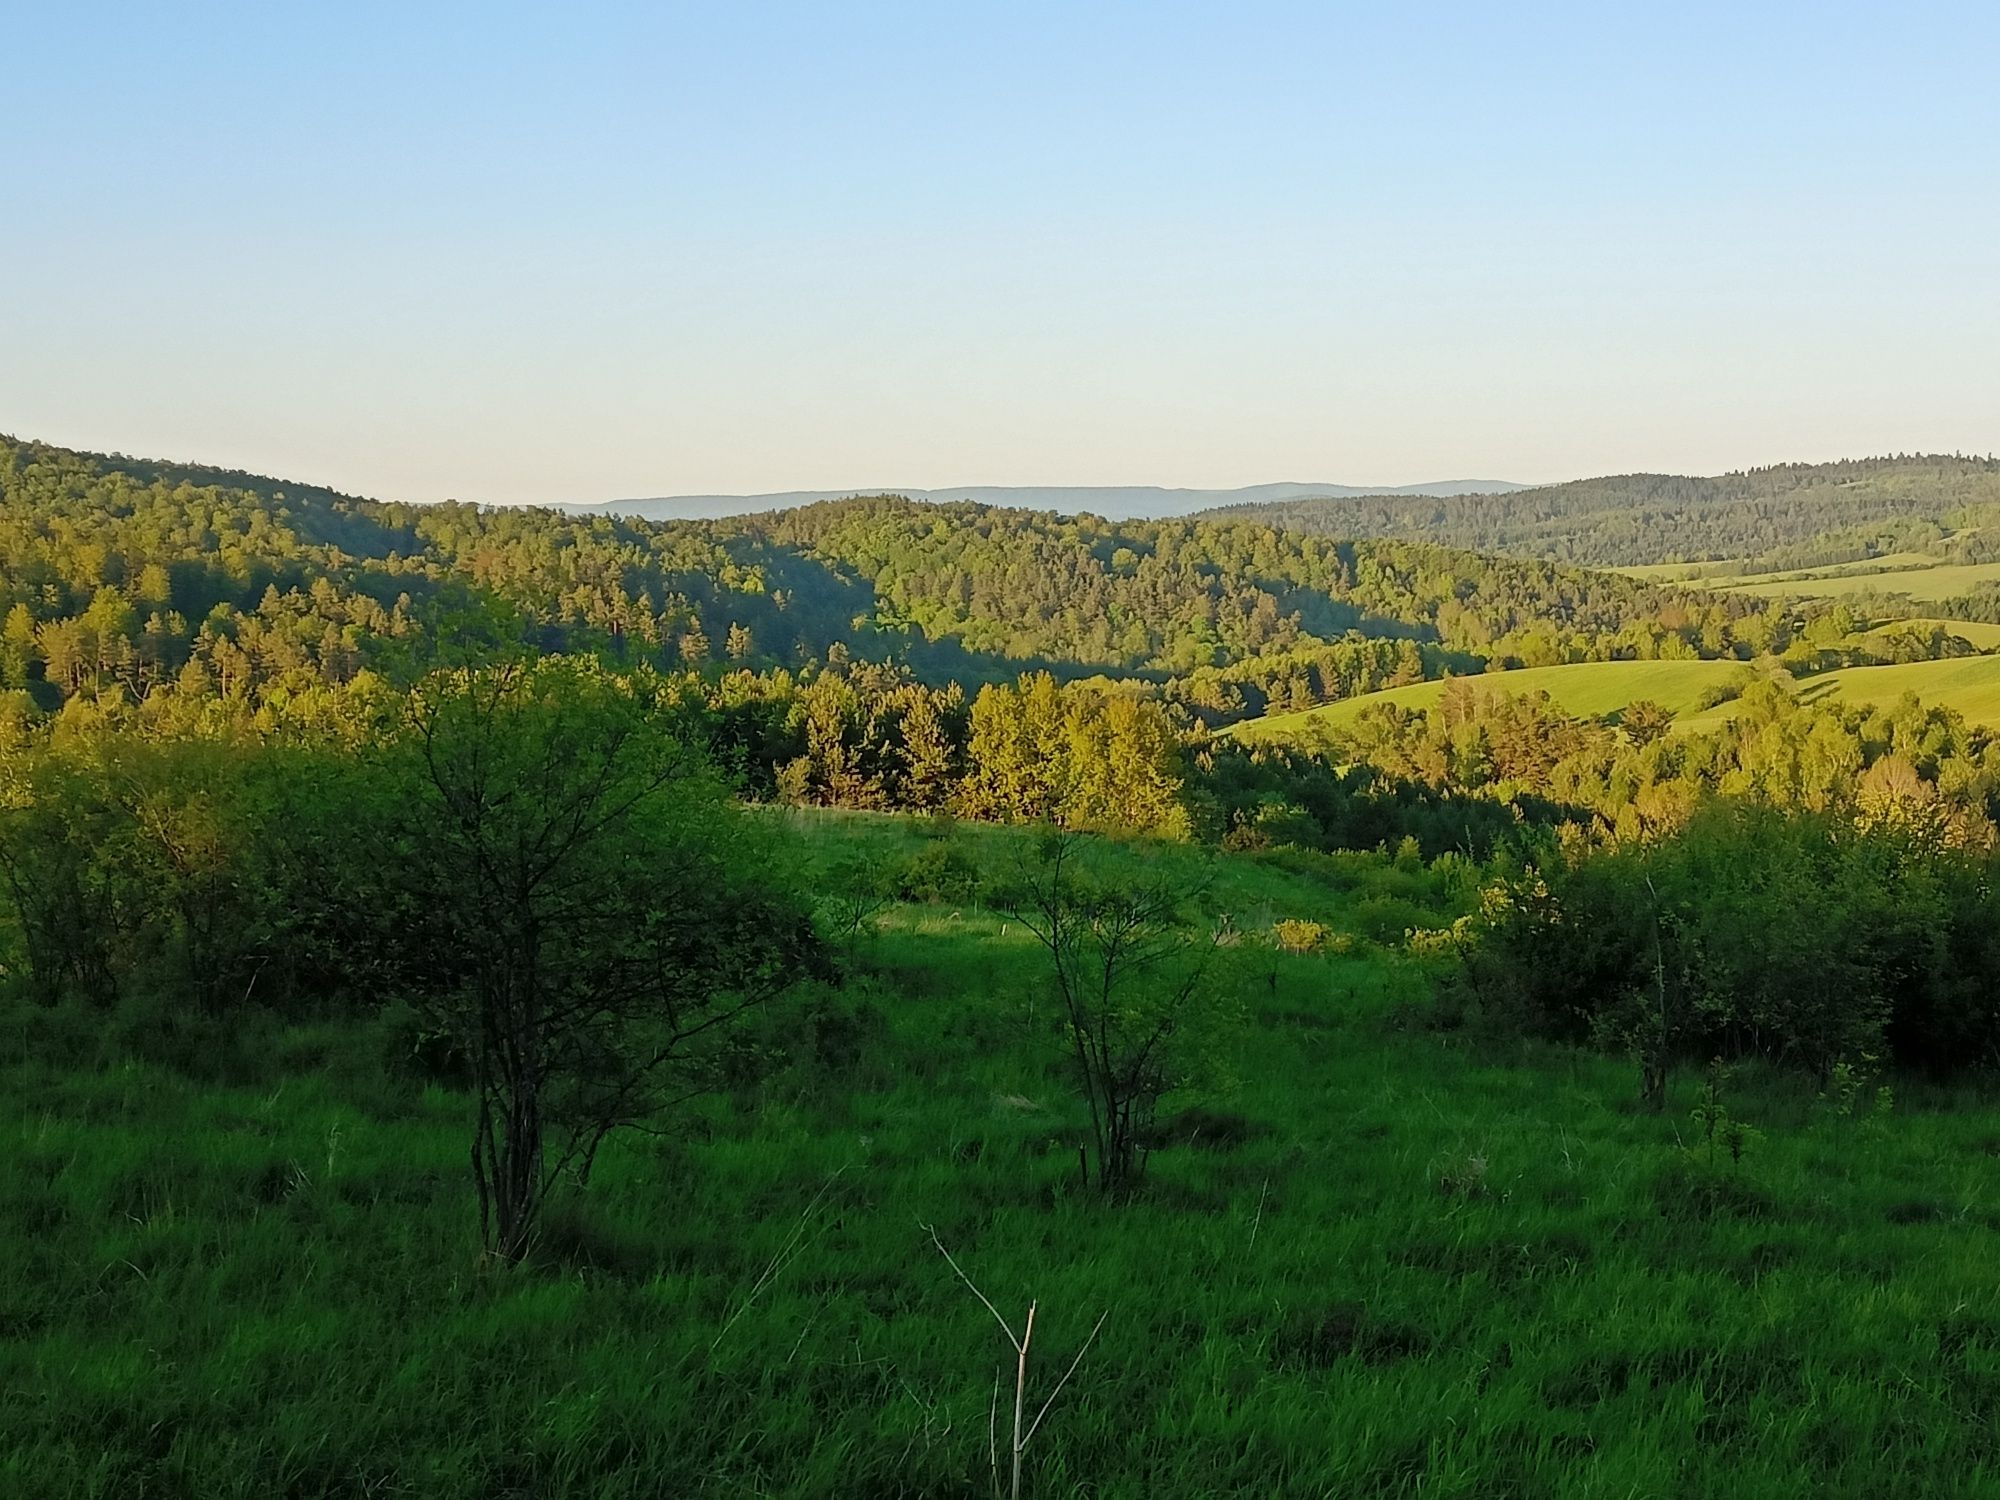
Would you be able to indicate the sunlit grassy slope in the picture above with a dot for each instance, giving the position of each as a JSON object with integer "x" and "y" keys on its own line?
{"x": 1937, "y": 582}
{"x": 1916, "y": 574}
{"x": 1970, "y": 684}
{"x": 1594, "y": 689}
{"x": 1586, "y": 688}
{"x": 1724, "y": 575}
{"x": 1983, "y": 635}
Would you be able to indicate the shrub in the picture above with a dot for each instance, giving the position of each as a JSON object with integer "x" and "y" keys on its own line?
{"x": 1296, "y": 935}
{"x": 1439, "y": 942}
{"x": 1791, "y": 934}
{"x": 939, "y": 872}
{"x": 1385, "y": 919}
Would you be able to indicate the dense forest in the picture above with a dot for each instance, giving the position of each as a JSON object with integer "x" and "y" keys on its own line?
{"x": 119, "y": 573}
{"x": 1785, "y": 516}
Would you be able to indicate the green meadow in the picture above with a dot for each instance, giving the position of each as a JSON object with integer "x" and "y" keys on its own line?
{"x": 1923, "y": 583}
{"x": 1984, "y": 635}
{"x": 1380, "y": 1255}
{"x": 1970, "y": 685}
{"x": 1589, "y": 689}
{"x": 1920, "y": 576}
{"x": 1729, "y": 575}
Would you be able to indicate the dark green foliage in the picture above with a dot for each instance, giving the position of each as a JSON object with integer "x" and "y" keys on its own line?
{"x": 1267, "y": 795}
{"x": 534, "y": 861}
{"x": 595, "y": 929}
{"x": 1788, "y": 935}
{"x": 938, "y": 872}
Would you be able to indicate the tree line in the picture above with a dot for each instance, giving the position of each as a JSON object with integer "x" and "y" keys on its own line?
{"x": 1631, "y": 777}
{"x": 116, "y": 575}
{"x": 1832, "y": 946}
{"x": 1767, "y": 519}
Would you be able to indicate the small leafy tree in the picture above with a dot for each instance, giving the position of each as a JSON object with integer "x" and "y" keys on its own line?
{"x": 1672, "y": 1007}
{"x": 1645, "y": 721}
{"x": 55, "y": 822}
{"x": 1722, "y": 1134}
{"x": 598, "y": 920}
{"x": 151, "y": 864}
{"x": 1131, "y": 974}
{"x": 1298, "y": 935}
{"x": 194, "y": 826}
{"x": 857, "y": 893}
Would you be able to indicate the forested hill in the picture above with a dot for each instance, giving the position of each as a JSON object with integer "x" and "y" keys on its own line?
{"x": 117, "y": 571}
{"x": 1787, "y": 516}
{"x": 1100, "y": 500}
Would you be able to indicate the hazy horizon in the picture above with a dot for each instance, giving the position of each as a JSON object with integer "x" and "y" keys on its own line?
{"x": 666, "y": 251}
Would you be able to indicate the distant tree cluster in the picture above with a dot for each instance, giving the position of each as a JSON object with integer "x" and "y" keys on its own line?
{"x": 1079, "y": 755}
{"x": 1909, "y": 764}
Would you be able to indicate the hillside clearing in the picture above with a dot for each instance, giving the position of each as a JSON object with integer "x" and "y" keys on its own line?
{"x": 1588, "y": 689}
{"x": 1924, "y": 584}
{"x": 1970, "y": 685}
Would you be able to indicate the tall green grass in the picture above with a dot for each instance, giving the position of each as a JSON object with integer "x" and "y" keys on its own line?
{"x": 1393, "y": 1261}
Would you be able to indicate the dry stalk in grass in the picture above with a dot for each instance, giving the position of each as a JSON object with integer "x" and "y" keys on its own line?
{"x": 803, "y": 1235}
{"x": 1019, "y": 1343}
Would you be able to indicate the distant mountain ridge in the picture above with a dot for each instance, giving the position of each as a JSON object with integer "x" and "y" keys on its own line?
{"x": 1114, "y": 502}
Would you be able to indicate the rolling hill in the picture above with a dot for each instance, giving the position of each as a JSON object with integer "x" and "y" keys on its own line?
{"x": 1591, "y": 689}
{"x": 1787, "y": 516}
{"x": 1114, "y": 502}
{"x": 251, "y": 579}
{"x": 1982, "y": 634}
{"x": 1970, "y": 685}
{"x": 1922, "y": 580}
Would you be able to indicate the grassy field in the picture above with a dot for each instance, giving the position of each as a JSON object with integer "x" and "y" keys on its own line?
{"x": 1939, "y": 581}
{"x": 1725, "y": 575}
{"x": 1983, "y": 635}
{"x": 1917, "y": 574}
{"x": 1970, "y": 685}
{"x": 1389, "y": 1262}
{"x": 1585, "y": 688}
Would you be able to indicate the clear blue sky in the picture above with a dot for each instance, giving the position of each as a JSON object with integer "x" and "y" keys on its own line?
{"x": 576, "y": 252}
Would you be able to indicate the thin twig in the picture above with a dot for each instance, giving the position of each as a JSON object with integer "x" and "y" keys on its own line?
{"x": 795, "y": 1242}
{"x": 1034, "y": 1425}
{"x": 1020, "y": 1346}
{"x": 1020, "y": 1397}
